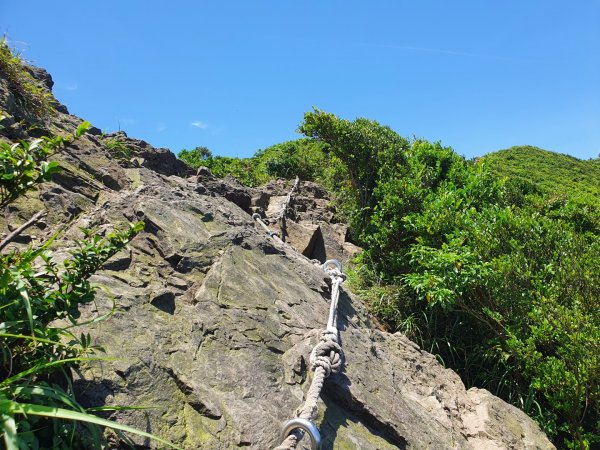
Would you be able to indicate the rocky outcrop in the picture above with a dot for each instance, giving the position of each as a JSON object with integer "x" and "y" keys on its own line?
{"x": 160, "y": 160}
{"x": 310, "y": 224}
{"x": 214, "y": 326}
{"x": 214, "y": 320}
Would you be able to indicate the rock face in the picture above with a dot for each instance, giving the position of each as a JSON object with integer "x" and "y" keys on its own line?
{"x": 214, "y": 321}
{"x": 310, "y": 224}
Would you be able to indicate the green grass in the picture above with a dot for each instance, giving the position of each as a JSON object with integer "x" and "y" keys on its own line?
{"x": 32, "y": 100}
{"x": 117, "y": 149}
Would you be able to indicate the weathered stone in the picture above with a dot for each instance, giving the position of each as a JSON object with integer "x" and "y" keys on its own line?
{"x": 309, "y": 209}
{"x": 233, "y": 360}
{"x": 165, "y": 301}
{"x": 120, "y": 261}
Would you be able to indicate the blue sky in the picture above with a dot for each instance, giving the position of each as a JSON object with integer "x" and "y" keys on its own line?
{"x": 237, "y": 76}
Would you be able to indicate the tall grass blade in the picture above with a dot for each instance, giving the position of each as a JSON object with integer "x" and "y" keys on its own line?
{"x": 60, "y": 413}
{"x": 9, "y": 429}
{"x": 40, "y": 367}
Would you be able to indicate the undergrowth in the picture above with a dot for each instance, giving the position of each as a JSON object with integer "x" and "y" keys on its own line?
{"x": 496, "y": 277}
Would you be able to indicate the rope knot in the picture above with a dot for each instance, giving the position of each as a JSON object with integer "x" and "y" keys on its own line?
{"x": 327, "y": 353}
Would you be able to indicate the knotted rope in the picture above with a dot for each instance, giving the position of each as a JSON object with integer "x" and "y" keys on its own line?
{"x": 281, "y": 216}
{"x": 325, "y": 359}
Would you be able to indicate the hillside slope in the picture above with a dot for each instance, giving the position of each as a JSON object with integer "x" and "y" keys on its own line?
{"x": 552, "y": 172}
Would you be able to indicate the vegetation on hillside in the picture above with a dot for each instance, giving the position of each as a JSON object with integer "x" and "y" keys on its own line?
{"x": 496, "y": 278}
{"x": 303, "y": 157}
{"x": 31, "y": 100}
{"x": 490, "y": 264}
{"x": 553, "y": 173}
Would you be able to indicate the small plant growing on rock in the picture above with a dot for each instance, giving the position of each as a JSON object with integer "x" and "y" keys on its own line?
{"x": 32, "y": 100}
{"x": 117, "y": 149}
{"x": 39, "y": 301}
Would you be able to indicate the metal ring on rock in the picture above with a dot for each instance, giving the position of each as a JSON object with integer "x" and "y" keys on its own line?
{"x": 329, "y": 262}
{"x": 256, "y": 216}
{"x": 307, "y": 426}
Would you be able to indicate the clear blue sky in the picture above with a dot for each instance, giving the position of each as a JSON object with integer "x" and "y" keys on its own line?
{"x": 237, "y": 76}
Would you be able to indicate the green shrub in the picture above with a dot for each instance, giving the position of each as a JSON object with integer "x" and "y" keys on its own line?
{"x": 496, "y": 277}
{"x": 553, "y": 173}
{"x": 245, "y": 170}
{"x": 303, "y": 157}
{"x": 117, "y": 149}
{"x": 200, "y": 156}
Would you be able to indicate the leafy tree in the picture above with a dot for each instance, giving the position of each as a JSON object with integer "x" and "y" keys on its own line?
{"x": 365, "y": 148}
{"x": 200, "y": 156}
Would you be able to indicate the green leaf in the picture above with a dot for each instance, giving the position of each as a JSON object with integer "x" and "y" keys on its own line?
{"x": 47, "y": 392}
{"x": 120, "y": 408}
{"x": 82, "y": 128}
{"x": 9, "y": 428}
{"x": 25, "y": 296}
{"x": 48, "y": 169}
{"x": 61, "y": 413}
{"x": 40, "y": 367}
{"x": 33, "y": 338}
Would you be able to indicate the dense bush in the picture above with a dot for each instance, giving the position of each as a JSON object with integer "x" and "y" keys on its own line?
{"x": 554, "y": 173}
{"x": 492, "y": 275}
{"x": 303, "y": 157}
{"x": 244, "y": 169}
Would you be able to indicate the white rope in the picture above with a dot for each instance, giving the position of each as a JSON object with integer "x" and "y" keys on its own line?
{"x": 288, "y": 200}
{"x": 280, "y": 216}
{"x": 326, "y": 356}
{"x": 325, "y": 359}
{"x": 274, "y": 235}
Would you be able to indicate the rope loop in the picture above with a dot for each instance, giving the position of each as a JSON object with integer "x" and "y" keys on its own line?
{"x": 327, "y": 353}
{"x": 331, "y": 262}
{"x": 333, "y": 268}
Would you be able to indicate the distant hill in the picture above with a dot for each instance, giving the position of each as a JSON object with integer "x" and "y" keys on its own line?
{"x": 552, "y": 172}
